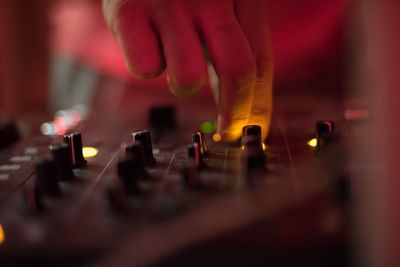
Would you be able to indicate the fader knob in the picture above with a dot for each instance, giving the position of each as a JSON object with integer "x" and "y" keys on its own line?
{"x": 8, "y": 132}
{"x": 46, "y": 177}
{"x": 74, "y": 140}
{"x": 144, "y": 137}
{"x": 322, "y": 129}
{"x": 251, "y": 134}
{"x": 62, "y": 159}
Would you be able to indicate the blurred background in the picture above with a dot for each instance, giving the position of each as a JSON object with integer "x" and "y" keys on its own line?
{"x": 54, "y": 54}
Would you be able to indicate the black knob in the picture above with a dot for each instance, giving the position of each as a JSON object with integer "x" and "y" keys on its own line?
{"x": 74, "y": 140}
{"x": 194, "y": 152}
{"x": 46, "y": 177}
{"x": 131, "y": 171}
{"x": 8, "y": 132}
{"x": 323, "y": 129}
{"x": 251, "y": 134}
{"x": 162, "y": 118}
{"x": 62, "y": 159}
{"x": 197, "y": 138}
{"x": 144, "y": 137}
{"x": 135, "y": 151}
{"x": 253, "y": 154}
{"x": 253, "y": 157}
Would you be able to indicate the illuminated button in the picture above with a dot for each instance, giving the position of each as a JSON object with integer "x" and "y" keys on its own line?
{"x": 11, "y": 167}
{"x": 4, "y": 176}
{"x": 20, "y": 158}
{"x": 2, "y": 235}
{"x": 217, "y": 137}
{"x": 89, "y": 152}
{"x": 74, "y": 140}
{"x": 312, "y": 143}
{"x": 207, "y": 127}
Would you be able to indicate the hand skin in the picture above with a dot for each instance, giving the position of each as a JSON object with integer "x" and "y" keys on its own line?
{"x": 154, "y": 34}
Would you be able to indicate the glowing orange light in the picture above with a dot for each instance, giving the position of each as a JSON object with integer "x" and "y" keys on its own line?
{"x": 2, "y": 235}
{"x": 312, "y": 143}
{"x": 89, "y": 152}
{"x": 217, "y": 137}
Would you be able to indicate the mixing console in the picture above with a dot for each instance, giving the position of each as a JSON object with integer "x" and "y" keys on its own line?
{"x": 111, "y": 193}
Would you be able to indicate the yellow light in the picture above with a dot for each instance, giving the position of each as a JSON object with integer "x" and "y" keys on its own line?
{"x": 89, "y": 152}
{"x": 312, "y": 142}
{"x": 217, "y": 137}
{"x": 264, "y": 147}
{"x": 2, "y": 236}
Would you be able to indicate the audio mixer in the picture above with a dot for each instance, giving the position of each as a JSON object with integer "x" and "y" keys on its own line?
{"x": 133, "y": 187}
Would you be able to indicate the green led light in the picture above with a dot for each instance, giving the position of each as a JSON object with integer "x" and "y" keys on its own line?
{"x": 207, "y": 127}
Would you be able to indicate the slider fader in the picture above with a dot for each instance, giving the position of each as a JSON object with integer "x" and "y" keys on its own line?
{"x": 170, "y": 195}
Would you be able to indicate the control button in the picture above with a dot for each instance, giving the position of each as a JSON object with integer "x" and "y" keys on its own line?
{"x": 322, "y": 130}
{"x": 74, "y": 140}
{"x": 251, "y": 134}
{"x": 62, "y": 160}
{"x": 195, "y": 153}
{"x": 197, "y": 138}
{"x": 162, "y": 118}
{"x": 46, "y": 177}
{"x": 8, "y": 132}
{"x": 144, "y": 137}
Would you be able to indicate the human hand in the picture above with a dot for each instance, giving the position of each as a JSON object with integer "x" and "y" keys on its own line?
{"x": 154, "y": 34}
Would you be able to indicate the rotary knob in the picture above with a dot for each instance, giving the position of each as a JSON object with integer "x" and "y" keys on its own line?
{"x": 197, "y": 138}
{"x": 135, "y": 151}
{"x": 46, "y": 177}
{"x": 62, "y": 160}
{"x": 131, "y": 171}
{"x": 74, "y": 140}
{"x": 144, "y": 138}
{"x": 251, "y": 134}
{"x": 253, "y": 154}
